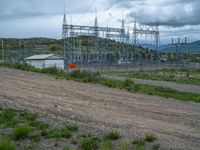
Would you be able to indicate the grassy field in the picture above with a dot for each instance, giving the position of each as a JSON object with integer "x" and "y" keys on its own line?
{"x": 179, "y": 76}
{"x": 23, "y": 130}
{"x": 88, "y": 77}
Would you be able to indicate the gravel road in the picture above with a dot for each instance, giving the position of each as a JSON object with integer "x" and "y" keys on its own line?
{"x": 176, "y": 123}
{"x": 176, "y": 86}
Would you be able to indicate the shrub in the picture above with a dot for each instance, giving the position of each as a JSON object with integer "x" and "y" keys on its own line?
{"x": 139, "y": 142}
{"x": 39, "y": 125}
{"x": 156, "y": 147}
{"x": 72, "y": 127}
{"x": 8, "y": 118}
{"x": 69, "y": 148}
{"x": 150, "y": 138}
{"x": 57, "y": 133}
{"x": 21, "y": 132}
{"x": 6, "y": 144}
{"x": 123, "y": 146}
{"x": 89, "y": 143}
{"x": 106, "y": 145}
{"x": 28, "y": 116}
{"x": 113, "y": 135}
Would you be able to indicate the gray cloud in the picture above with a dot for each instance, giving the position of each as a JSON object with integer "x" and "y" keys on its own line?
{"x": 168, "y": 12}
{"x": 14, "y": 9}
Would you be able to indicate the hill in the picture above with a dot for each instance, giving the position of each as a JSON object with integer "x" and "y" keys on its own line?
{"x": 193, "y": 48}
{"x": 82, "y": 44}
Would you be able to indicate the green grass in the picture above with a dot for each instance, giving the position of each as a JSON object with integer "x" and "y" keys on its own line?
{"x": 150, "y": 138}
{"x": 57, "y": 133}
{"x": 112, "y": 135}
{"x": 140, "y": 144}
{"x": 106, "y": 145}
{"x": 89, "y": 143}
{"x": 6, "y": 144}
{"x": 123, "y": 146}
{"x": 29, "y": 128}
{"x": 8, "y": 118}
{"x": 69, "y": 148}
{"x": 21, "y": 132}
{"x": 190, "y": 76}
{"x": 28, "y": 116}
{"x": 72, "y": 127}
{"x": 156, "y": 147}
{"x": 39, "y": 125}
{"x": 88, "y": 77}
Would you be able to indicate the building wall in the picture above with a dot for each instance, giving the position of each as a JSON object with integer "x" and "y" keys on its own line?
{"x": 54, "y": 63}
{"x": 36, "y": 63}
{"x": 46, "y": 63}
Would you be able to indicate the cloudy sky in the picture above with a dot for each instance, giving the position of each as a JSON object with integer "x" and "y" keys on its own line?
{"x": 43, "y": 18}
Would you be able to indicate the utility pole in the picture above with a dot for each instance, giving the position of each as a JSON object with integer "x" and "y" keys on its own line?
{"x": 2, "y": 44}
{"x": 64, "y": 35}
{"x": 178, "y": 44}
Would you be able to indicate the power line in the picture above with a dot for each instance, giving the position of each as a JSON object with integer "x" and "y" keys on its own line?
{"x": 108, "y": 8}
{"x": 86, "y": 11}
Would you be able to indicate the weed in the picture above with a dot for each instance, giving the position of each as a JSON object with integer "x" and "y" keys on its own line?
{"x": 6, "y": 144}
{"x": 21, "y": 132}
{"x": 156, "y": 147}
{"x": 106, "y": 145}
{"x": 69, "y": 148}
{"x": 150, "y": 138}
{"x": 165, "y": 75}
{"x": 35, "y": 136}
{"x": 8, "y": 118}
{"x": 89, "y": 143}
{"x": 72, "y": 127}
{"x": 57, "y": 133}
{"x": 139, "y": 142}
{"x": 28, "y": 116}
{"x": 123, "y": 146}
{"x": 113, "y": 135}
{"x": 39, "y": 125}
{"x": 73, "y": 141}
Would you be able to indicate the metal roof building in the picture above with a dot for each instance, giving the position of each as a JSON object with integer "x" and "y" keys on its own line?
{"x": 45, "y": 61}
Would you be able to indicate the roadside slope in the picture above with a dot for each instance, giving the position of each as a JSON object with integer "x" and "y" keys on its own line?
{"x": 176, "y": 123}
{"x": 172, "y": 85}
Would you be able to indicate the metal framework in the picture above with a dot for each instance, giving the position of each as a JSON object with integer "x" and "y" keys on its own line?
{"x": 127, "y": 36}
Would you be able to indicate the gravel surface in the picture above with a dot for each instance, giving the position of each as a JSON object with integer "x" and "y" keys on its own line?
{"x": 175, "y": 123}
{"x": 176, "y": 86}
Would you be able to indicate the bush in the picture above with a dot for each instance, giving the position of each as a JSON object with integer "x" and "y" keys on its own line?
{"x": 57, "y": 133}
{"x": 106, "y": 145}
{"x": 113, "y": 135}
{"x": 156, "y": 147}
{"x": 6, "y": 144}
{"x": 39, "y": 125}
{"x": 150, "y": 138}
{"x": 28, "y": 116}
{"x": 139, "y": 142}
{"x": 21, "y": 132}
{"x": 89, "y": 143}
{"x": 8, "y": 118}
{"x": 72, "y": 127}
{"x": 69, "y": 148}
{"x": 123, "y": 146}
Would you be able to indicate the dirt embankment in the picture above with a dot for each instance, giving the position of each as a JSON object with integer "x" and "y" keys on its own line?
{"x": 176, "y": 123}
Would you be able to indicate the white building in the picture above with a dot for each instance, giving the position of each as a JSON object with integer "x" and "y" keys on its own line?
{"x": 45, "y": 61}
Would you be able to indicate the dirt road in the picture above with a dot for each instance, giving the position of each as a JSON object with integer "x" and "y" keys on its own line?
{"x": 176, "y": 123}
{"x": 172, "y": 85}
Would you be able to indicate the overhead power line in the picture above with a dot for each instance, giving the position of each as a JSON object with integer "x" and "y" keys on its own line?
{"x": 108, "y": 8}
{"x": 86, "y": 11}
